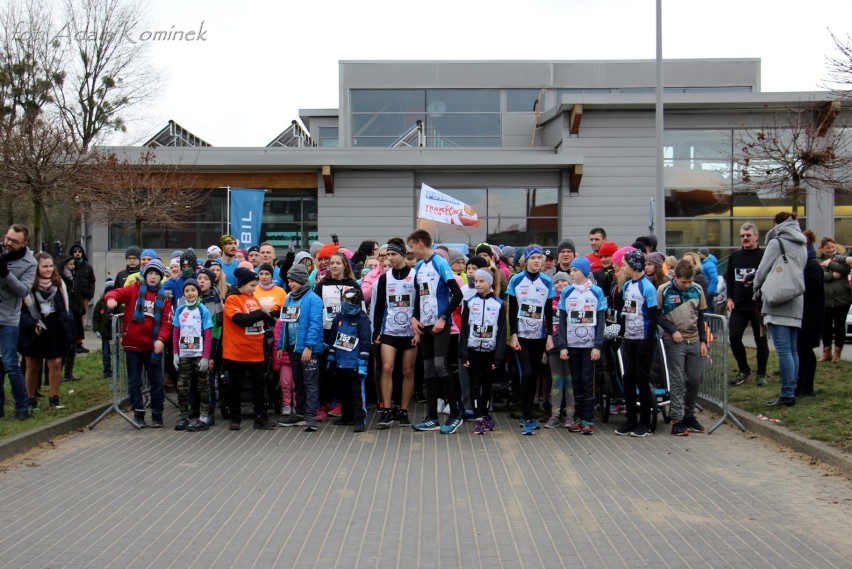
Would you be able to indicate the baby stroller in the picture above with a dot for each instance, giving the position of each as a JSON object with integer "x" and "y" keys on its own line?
{"x": 660, "y": 386}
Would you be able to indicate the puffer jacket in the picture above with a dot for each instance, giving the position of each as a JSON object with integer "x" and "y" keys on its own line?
{"x": 837, "y": 290}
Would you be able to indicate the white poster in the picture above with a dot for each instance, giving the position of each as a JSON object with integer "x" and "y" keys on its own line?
{"x": 439, "y": 206}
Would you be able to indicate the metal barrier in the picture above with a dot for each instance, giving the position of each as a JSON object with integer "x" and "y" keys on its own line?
{"x": 120, "y": 394}
{"x": 714, "y": 387}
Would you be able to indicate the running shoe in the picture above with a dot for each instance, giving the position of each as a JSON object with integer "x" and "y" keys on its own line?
{"x": 760, "y": 380}
{"x": 489, "y": 423}
{"x": 291, "y": 421}
{"x": 360, "y": 426}
{"x": 530, "y": 425}
{"x": 386, "y": 419}
{"x": 336, "y": 411}
{"x": 287, "y": 411}
{"x": 693, "y": 425}
{"x": 427, "y": 425}
{"x": 588, "y": 428}
{"x": 452, "y": 425}
{"x": 197, "y": 425}
{"x": 321, "y": 415}
{"x": 479, "y": 428}
{"x": 625, "y": 429}
{"x": 641, "y": 431}
{"x": 552, "y": 423}
{"x": 680, "y": 430}
{"x": 740, "y": 378}
{"x": 576, "y": 426}
{"x": 402, "y": 418}
{"x": 182, "y": 424}
{"x": 310, "y": 425}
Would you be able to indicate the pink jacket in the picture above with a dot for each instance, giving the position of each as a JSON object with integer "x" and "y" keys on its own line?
{"x": 368, "y": 281}
{"x": 277, "y": 361}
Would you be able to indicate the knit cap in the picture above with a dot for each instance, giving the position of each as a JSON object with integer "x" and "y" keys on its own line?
{"x": 456, "y": 255}
{"x": 565, "y": 244}
{"x": 704, "y": 251}
{"x": 133, "y": 251}
{"x": 561, "y": 276}
{"x": 154, "y": 265}
{"x": 508, "y": 251}
{"x": 583, "y": 265}
{"x": 266, "y": 267}
{"x": 298, "y": 273}
{"x": 109, "y": 284}
{"x": 326, "y": 251}
{"x": 191, "y": 282}
{"x": 477, "y": 262}
{"x": 148, "y": 253}
{"x": 484, "y": 248}
{"x": 607, "y": 249}
{"x": 244, "y": 276}
{"x": 635, "y": 259}
{"x": 618, "y": 256}
{"x": 656, "y": 258}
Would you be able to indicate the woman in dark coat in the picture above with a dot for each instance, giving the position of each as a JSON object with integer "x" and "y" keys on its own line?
{"x": 812, "y": 320}
{"x": 46, "y": 329}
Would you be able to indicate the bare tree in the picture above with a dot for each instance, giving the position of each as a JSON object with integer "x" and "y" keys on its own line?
{"x": 108, "y": 74}
{"x": 798, "y": 151}
{"x": 840, "y": 67}
{"x": 140, "y": 193}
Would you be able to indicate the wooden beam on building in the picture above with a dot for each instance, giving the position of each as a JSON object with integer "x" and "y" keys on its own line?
{"x": 825, "y": 119}
{"x": 575, "y": 118}
{"x": 575, "y": 174}
{"x": 328, "y": 179}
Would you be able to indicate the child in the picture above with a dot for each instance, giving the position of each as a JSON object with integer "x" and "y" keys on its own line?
{"x": 350, "y": 350}
{"x": 301, "y": 337}
{"x": 147, "y": 328}
{"x": 468, "y": 291}
{"x": 211, "y": 300}
{"x": 192, "y": 338}
{"x": 281, "y": 364}
{"x": 560, "y": 373}
{"x": 102, "y": 325}
{"x": 638, "y": 320}
{"x": 243, "y": 348}
{"x": 682, "y": 304}
{"x": 582, "y": 318}
{"x": 482, "y": 343}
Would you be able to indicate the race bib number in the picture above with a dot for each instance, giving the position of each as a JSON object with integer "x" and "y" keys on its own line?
{"x": 290, "y": 314}
{"x": 345, "y": 342}
{"x": 190, "y": 343}
{"x": 740, "y": 275}
{"x": 581, "y": 317}
{"x": 332, "y": 310}
{"x": 399, "y": 301}
{"x": 255, "y": 329}
{"x": 424, "y": 289}
{"x": 611, "y": 315}
{"x": 530, "y": 312}
{"x": 631, "y": 307}
{"x": 482, "y": 332}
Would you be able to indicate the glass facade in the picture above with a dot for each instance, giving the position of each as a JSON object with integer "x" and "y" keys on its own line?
{"x": 514, "y": 216}
{"x": 704, "y": 208}
{"x": 288, "y": 217}
{"x": 451, "y": 117}
{"x": 328, "y": 136}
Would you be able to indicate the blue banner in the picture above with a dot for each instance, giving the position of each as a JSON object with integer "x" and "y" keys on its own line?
{"x": 245, "y": 217}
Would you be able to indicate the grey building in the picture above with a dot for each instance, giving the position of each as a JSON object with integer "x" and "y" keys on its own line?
{"x": 542, "y": 150}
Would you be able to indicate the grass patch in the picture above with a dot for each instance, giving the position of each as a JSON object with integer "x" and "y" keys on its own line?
{"x": 88, "y": 391}
{"x": 826, "y": 417}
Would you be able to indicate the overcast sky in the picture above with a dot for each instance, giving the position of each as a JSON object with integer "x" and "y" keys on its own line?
{"x": 260, "y": 62}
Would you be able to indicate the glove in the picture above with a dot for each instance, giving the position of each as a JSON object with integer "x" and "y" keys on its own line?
{"x": 362, "y": 368}
{"x": 98, "y": 335}
{"x": 176, "y": 360}
{"x": 330, "y": 361}
{"x": 203, "y": 365}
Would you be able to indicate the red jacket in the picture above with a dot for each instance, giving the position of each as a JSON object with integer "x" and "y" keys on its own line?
{"x": 139, "y": 336}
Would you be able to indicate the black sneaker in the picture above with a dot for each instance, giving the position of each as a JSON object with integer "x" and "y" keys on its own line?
{"x": 386, "y": 419}
{"x": 741, "y": 378}
{"x": 139, "y": 419}
{"x": 680, "y": 430}
{"x": 402, "y": 418}
{"x": 156, "y": 421}
{"x": 80, "y": 349}
{"x": 22, "y": 415}
{"x": 263, "y": 422}
{"x": 292, "y": 421}
{"x": 33, "y": 404}
{"x": 641, "y": 431}
{"x": 235, "y": 425}
{"x": 360, "y": 426}
{"x": 625, "y": 429}
{"x": 196, "y": 426}
{"x": 692, "y": 424}
{"x": 54, "y": 402}
{"x": 182, "y": 424}
{"x": 311, "y": 425}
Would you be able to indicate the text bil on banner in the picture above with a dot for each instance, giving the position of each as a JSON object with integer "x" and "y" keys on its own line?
{"x": 246, "y": 211}
{"x": 440, "y": 207}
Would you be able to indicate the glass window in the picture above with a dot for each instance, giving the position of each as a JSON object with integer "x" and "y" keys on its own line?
{"x": 387, "y": 100}
{"x": 522, "y": 202}
{"x": 328, "y": 136}
{"x": 462, "y": 101}
{"x": 523, "y": 100}
{"x": 561, "y": 92}
{"x": 290, "y": 217}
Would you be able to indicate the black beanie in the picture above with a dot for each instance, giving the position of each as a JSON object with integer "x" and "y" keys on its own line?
{"x": 565, "y": 244}
{"x": 484, "y": 248}
{"x": 477, "y": 261}
{"x": 244, "y": 276}
{"x": 266, "y": 267}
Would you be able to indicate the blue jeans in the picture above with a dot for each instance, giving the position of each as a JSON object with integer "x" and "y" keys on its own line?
{"x": 306, "y": 382}
{"x": 106, "y": 346}
{"x": 9, "y": 351}
{"x": 785, "y": 339}
{"x": 136, "y": 362}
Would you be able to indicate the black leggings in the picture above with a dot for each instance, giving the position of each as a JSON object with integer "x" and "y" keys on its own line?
{"x": 529, "y": 364}
{"x": 834, "y": 326}
{"x": 638, "y": 355}
{"x": 436, "y": 373}
{"x": 237, "y": 371}
{"x": 481, "y": 378}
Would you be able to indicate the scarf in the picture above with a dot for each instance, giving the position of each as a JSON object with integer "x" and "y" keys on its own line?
{"x": 262, "y": 286}
{"x": 44, "y": 284}
{"x": 194, "y": 304}
{"x": 139, "y": 309}
{"x": 583, "y": 287}
{"x": 348, "y": 309}
{"x": 303, "y": 290}
{"x": 45, "y": 298}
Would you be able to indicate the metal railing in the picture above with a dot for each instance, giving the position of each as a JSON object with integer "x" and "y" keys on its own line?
{"x": 714, "y": 387}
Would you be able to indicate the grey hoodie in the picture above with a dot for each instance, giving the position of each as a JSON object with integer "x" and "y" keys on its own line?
{"x": 789, "y": 313}
{"x": 15, "y": 286}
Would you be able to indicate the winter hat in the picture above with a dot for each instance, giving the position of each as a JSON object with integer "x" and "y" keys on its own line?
{"x": 109, "y": 284}
{"x": 225, "y": 239}
{"x": 254, "y": 249}
{"x": 656, "y": 258}
{"x": 583, "y": 265}
{"x": 188, "y": 258}
{"x": 266, "y": 267}
{"x": 175, "y": 261}
{"x": 353, "y": 296}
{"x": 209, "y": 275}
{"x": 635, "y": 259}
{"x": 349, "y": 254}
{"x": 191, "y": 282}
{"x": 314, "y": 248}
{"x": 607, "y": 249}
{"x": 484, "y": 248}
{"x": 177, "y": 253}
{"x": 326, "y": 251}
{"x": 508, "y": 251}
{"x": 213, "y": 252}
{"x": 246, "y": 265}
{"x": 133, "y": 251}
{"x": 704, "y": 251}
{"x": 154, "y": 265}
{"x": 456, "y": 255}
{"x": 298, "y": 273}
{"x": 532, "y": 250}
{"x": 565, "y": 244}
{"x": 477, "y": 261}
{"x": 148, "y": 253}
{"x": 76, "y": 247}
{"x": 618, "y": 256}
{"x": 244, "y": 276}
{"x": 484, "y": 275}
{"x": 244, "y": 252}
{"x": 210, "y": 262}
{"x": 443, "y": 254}
{"x": 561, "y": 276}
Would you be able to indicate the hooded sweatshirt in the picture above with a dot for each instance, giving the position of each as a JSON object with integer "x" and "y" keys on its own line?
{"x": 789, "y": 313}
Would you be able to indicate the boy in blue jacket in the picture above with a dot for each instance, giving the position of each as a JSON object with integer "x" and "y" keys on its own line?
{"x": 301, "y": 336}
{"x": 350, "y": 352}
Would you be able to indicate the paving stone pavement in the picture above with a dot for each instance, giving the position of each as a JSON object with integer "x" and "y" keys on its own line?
{"x": 117, "y": 497}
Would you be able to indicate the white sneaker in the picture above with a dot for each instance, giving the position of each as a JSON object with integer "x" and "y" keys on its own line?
{"x": 287, "y": 410}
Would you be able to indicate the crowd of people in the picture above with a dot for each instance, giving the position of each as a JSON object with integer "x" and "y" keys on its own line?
{"x": 334, "y": 329}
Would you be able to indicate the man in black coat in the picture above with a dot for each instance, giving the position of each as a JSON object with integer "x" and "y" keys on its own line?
{"x": 84, "y": 289}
